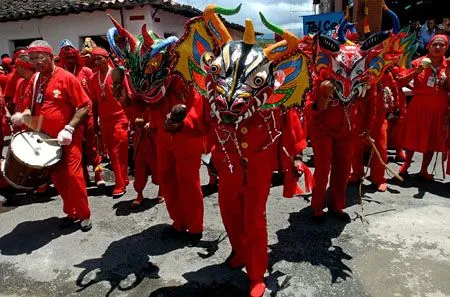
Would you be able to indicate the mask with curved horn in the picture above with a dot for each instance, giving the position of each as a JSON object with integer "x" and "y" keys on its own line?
{"x": 215, "y": 24}
{"x": 395, "y": 20}
{"x": 282, "y": 48}
{"x": 342, "y": 30}
{"x": 147, "y": 57}
{"x": 352, "y": 67}
{"x": 238, "y": 77}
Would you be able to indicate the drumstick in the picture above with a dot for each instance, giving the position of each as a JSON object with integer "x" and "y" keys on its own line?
{"x": 8, "y": 116}
{"x": 41, "y": 140}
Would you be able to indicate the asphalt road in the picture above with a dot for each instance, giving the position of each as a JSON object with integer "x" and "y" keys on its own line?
{"x": 403, "y": 249}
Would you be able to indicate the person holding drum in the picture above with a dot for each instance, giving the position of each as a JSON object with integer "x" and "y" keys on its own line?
{"x": 58, "y": 98}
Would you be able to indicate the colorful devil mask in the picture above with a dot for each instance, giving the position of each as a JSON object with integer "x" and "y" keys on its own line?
{"x": 240, "y": 77}
{"x": 352, "y": 67}
{"x": 146, "y": 57}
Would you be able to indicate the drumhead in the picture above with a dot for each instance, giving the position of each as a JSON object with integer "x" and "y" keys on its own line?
{"x": 29, "y": 147}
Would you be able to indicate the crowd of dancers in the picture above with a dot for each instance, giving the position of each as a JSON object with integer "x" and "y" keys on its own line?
{"x": 231, "y": 99}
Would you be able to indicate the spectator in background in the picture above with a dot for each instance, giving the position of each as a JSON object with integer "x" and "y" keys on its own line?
{"x": 426, "y": 33}
{"x": 440, "y": 29}
{"x": 415, "y": 27}
{"x": 446, "y": 24}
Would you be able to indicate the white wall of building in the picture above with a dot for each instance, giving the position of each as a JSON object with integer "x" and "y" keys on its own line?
{"x": 55, "y": 28}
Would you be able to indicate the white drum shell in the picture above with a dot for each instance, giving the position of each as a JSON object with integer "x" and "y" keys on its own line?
{"x": 31, "y": 149}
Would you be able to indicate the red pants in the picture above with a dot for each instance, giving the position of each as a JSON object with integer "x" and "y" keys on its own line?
{"x": 337, "y": 154}
{"x": 115, "y": 137}
{"x": 145, "y": 162}
{"x": 90, "y": 143}
{"x": 67, "y": 176}
{"x": 179, "y": 177}
{"x": 243, "y": 209}
{"x": 379, "y": 135}
{"x": 396, "y": 132}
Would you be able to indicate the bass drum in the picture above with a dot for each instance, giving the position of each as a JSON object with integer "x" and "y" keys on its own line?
{"x": 29, "y": 159}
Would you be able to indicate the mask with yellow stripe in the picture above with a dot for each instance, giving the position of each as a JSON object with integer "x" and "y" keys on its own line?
{"x": 238, "y": 77}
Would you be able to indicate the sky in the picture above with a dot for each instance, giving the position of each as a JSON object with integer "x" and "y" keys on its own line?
{"x": 284, "y": 13}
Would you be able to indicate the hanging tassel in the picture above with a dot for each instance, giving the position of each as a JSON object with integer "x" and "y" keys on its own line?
{"x": 309, "y": 178}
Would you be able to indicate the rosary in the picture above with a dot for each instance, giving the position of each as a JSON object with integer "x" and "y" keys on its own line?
{"x": 347, "y": 116}
{"x": 236, "y": 144}
{"x": 273, "y": 138}
{"x": 102, "y": 85}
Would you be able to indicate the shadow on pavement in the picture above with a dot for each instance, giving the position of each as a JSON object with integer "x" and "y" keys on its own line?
{"x": 29, "y": 236}
{"x": 208, "y": 189}
{"x": 304, "y": 241}
{"x": 123, "y": 208}
{"x": 437, "y": 188}
{"x": 199, "y": 284}
{"x": 95, "y": 191}
{"x": 15, "y": 198}
{"x": 126, "y": 262}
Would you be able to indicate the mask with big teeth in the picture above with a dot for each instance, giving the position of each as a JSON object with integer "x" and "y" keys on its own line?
{"x": 242, "y": 77}
{"x": 353, "y": 67}
{"x": 239, "y": 81}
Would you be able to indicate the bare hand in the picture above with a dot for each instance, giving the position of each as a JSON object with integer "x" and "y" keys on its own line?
{"x": 326, "y": 90}
{"x": 419, "y": 70}
{"x": 178, "y": 113}
{"x": 447, "y": 69}
{"x": 365, "y": 134}
{"x": 139, "y": 122}
{"x": 120, "y": 93}
{"x": 172, "y": 126}
{"x": 297, "y": 170}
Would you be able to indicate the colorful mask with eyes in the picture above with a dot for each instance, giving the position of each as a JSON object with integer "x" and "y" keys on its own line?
{"x": 353, "y": 67}
{"x": 146, "y": 57}
{"x": 239, "y": 77}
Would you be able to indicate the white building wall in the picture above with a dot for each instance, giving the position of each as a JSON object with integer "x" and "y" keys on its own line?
{"x": 55, "y": 28}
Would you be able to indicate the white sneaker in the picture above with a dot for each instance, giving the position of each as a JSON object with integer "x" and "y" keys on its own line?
{"x": 86, "y": 225}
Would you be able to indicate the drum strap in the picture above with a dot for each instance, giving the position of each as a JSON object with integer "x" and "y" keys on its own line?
{"x": 34, "y": 91}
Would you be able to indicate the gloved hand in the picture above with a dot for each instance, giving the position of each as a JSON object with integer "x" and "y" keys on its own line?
{"x": 17, "y": 119}
{"x": 65, "y": 135}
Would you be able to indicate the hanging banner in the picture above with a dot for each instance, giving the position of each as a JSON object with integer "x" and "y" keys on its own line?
{"x": 324, "y": 22}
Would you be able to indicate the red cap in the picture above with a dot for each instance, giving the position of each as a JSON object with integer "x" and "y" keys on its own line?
{"x": 24, "y": 64}
{"x": 68, "y": 51}
{"x": 40, "y": 49}
{"x": 7, "y": 61}
{"x": 442, "y": 36}
{"x": 19, "y": 53}
{"x": 99, "y": 52}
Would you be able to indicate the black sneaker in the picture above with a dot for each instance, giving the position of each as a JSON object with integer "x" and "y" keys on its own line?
{"x": 340, "y": 215}
{"x": 193, "y": 239}
{"x": 85, "y": 225}
{"x": 66, "y": 222}
{"x": 170, "y": 231}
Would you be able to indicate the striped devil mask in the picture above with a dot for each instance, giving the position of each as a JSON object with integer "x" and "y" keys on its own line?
{"x": 353, "y": 67}
{"x": 238, "y": 77}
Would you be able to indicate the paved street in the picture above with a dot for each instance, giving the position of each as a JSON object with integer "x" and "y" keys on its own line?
{"x": 403, "y": 250}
